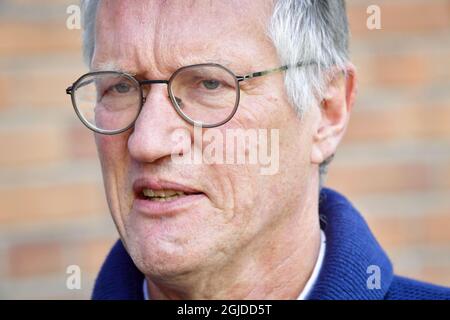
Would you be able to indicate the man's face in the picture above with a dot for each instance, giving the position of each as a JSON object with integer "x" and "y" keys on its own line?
{"x": 235, "y": 208}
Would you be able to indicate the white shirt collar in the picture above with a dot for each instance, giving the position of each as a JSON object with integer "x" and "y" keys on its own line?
{"x": 315, "y": 274}
{"x": 309, "y": 284}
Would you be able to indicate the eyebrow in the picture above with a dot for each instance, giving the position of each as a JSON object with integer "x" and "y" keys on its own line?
{"x": 113, "y": 66}
{"x": 107, "y": 66}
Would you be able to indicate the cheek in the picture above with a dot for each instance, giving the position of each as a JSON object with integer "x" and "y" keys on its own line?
{"x": 254, "y": 112}
{"x": 267, "y": 108}
{"x": 113, "y": 156}
{"x": 112, "y": 151}
{"x": 111, "y": 148}
{"x": 294, "y": 145}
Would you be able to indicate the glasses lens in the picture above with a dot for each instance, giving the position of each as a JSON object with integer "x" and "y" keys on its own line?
{"x": 205, "y": 94}
{"x": 108, "y": 101}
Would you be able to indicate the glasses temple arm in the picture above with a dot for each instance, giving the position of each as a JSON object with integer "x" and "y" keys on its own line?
{"x": 265, "y": 72}
{"x": 82, "y": 84}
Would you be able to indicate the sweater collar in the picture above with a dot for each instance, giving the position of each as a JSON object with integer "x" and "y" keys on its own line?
{"x": 353, "y": 254}
{"x": 351, "y": 249}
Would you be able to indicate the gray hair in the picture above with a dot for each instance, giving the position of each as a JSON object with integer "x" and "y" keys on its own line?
{"x": 89, "y": 13}
{"x": 310, "y": 30}
{"x": 301, "y": 30}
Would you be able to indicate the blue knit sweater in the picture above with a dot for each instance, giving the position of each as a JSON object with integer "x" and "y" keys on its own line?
{"x": 350, "y": 251}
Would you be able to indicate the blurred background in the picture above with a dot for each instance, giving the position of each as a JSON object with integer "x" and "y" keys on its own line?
{"x": 394, "y": 163}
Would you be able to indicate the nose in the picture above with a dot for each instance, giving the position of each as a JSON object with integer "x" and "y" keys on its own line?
{"x": 154, "y": 130}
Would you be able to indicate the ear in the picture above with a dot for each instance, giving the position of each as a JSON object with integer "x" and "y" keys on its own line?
{"x": 335, "y": 109}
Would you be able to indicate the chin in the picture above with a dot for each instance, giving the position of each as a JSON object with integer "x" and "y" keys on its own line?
{"x": 162, "y": 263}
{"x": 160, "y": 250}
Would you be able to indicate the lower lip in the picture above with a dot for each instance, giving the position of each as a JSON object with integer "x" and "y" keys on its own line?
{"x": 165, "y": 208}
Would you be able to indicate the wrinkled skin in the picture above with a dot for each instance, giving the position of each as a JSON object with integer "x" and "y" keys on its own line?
{"x": 250, "y": 235}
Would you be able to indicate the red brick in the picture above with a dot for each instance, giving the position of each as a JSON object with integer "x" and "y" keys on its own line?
{"x": 401, "y": 70}
{"x": 401, "y": 17}
{"x": 436, "y": 228}
{"x": 439, "y": 275}
{"x": 5, "y": 92}
{"x": 35, "y": 259}
{"x": 37, "y": 38}
{"x": 393, "y": 232}
{"x": 32, "y": 146}
{"x": 82, "y": 143}
{"x": 398, "y": 123}
{"x": 94, "y": 252}
{"x": 27, "y": 204}
{"x": 40, "y": 88}
{"x": 360, "y": 179}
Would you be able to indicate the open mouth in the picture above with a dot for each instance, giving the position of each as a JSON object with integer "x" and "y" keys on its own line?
{"x": 156, "y": 198}
{"x": 161, "y": 195}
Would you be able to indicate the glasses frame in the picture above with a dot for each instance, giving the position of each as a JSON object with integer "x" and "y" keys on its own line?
{"x": 139, "y": 83}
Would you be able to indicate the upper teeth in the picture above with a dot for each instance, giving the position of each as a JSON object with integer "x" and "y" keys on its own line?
{"x": 161, "y": 193}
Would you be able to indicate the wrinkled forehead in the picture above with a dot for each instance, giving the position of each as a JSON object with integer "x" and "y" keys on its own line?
{"x": 169, "y": 32}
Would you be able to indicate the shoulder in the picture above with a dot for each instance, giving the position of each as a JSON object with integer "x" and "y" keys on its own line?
{"x": 403, "y": 288}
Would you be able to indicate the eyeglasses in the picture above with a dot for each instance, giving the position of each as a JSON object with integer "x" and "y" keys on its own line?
{"x": 207, "y": 95}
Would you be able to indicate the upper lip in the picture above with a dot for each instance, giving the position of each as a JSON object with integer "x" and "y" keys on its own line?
{"x": 159, "y": 184}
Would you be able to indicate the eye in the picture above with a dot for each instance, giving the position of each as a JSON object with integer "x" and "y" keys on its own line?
{"x": 211, "y": 84}
{"x": 122, "y": 87}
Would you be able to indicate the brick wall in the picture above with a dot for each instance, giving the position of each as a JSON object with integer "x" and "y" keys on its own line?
{"x": 394, "y": 162}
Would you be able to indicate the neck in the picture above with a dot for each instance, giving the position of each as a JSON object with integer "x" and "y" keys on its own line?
{"x": 276, "y": 265}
